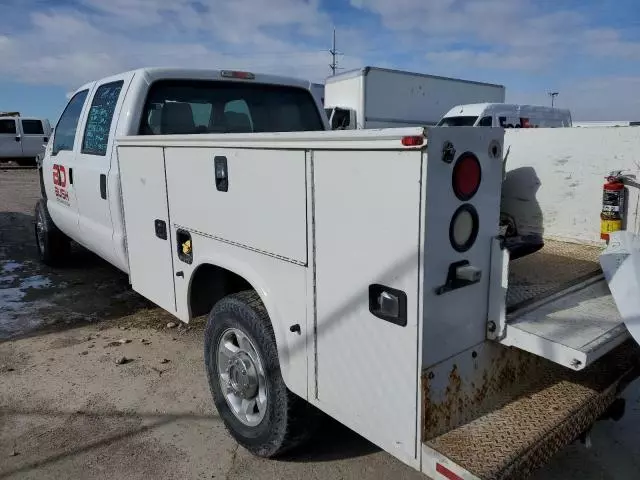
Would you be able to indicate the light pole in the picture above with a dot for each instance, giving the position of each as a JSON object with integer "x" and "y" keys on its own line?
{"x": 553, "y": 96}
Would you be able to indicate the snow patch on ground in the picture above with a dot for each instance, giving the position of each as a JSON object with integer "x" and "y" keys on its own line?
{"x": 36, "y": 281}
{"x": 16, "y": 314}
{"x": 10, "y": 266}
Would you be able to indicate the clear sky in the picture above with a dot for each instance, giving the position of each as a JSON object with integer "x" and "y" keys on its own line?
{"x": 588, "y": 50}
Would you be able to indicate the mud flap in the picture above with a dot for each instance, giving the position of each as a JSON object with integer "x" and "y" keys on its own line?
{"x": 620, "y": 263}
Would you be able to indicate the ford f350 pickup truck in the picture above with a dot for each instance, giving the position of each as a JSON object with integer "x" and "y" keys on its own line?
{"x": 359, "y": 273}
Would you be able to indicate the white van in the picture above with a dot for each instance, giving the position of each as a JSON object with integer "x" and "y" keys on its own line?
{"x": 506, "y": 115}
{"x": 23, "y": 138}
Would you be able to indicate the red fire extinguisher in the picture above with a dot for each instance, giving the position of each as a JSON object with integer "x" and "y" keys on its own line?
{"x": 613, "y": 197}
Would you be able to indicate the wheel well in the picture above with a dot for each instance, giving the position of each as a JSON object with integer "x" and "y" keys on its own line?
{"x": 211, "y": 283}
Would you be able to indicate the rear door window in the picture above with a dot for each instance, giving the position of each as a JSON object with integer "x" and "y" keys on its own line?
{"x": 32, "y": 127}
{"x": 8, "y": 126}
{"x": 96, "y": 132}
{"x": 191, "y": 107}
{"x": 485, "y": 122}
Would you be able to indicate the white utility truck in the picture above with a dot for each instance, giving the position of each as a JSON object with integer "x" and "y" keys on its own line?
{"x": 23, "y": 138}
{"x": 373, "y": 97}
{"x": 360, "y": 273}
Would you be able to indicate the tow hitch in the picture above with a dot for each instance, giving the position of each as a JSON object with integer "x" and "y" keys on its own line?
{"x": 615, "y": 411}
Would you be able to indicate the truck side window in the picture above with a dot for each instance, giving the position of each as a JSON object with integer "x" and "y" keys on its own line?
{"x": 32, "y": 127}
{"x": 67, "y": 125}
{"x": 8, "y": 127}
{"x": 96, "y": 132}
{"x": 486, "y": 122}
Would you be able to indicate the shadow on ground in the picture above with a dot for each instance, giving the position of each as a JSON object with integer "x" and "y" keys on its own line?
{"x": 35, "y": 297}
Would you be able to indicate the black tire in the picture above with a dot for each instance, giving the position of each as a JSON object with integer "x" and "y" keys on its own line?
{"x": 53, "y": 245}
{"x": 288, "y": 419}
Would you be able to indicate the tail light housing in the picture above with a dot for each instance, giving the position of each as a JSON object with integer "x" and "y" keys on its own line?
{"x": 464, "y": 226}
{"x": 237, "y": 74}
{"x": 467, "y": 175}
{"x": 413, "y": 141}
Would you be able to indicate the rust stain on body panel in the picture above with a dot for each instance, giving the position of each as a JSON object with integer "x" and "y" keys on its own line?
{"x": 522, "y": 409}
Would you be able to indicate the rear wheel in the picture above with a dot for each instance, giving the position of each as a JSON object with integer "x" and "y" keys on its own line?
{"x": 245, "y": 379}
{"x": 53, "y": 245}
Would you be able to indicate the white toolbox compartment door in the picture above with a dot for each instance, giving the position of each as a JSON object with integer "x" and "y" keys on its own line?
{"x": 367, "y": 234}
{"x": 260, "y": 206}
{"x": 147, "y": 226}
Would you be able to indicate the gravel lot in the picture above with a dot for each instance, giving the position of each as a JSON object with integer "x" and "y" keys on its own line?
{"x": 67, "y": 410}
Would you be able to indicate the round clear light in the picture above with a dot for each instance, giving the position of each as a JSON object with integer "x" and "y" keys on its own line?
{"x": 464, "y": 228}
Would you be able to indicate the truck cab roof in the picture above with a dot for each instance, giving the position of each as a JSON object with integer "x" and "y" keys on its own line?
{"x": 152, "y": 74}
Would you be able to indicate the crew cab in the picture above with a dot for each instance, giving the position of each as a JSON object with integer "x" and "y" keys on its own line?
{"x": 358, "y": 273}
{"x": 81, "y": 171}
{"x": 22, "y": 139}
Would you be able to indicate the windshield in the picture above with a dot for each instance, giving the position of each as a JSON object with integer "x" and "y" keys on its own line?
{"x": 193, "y": 106}
{"x": 457, "y": 122}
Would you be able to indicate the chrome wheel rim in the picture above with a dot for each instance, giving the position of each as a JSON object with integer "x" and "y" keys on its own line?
{"x": 241, "y": 376}
{"x": 40, "y": 232}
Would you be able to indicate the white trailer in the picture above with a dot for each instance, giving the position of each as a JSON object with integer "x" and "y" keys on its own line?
{"x": 361, "y": 273}
{"x": 374, "y": 97}
{"x": 554, "y": 178}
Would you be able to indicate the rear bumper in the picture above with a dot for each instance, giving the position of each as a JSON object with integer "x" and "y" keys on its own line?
{"x": 547, "y": 413}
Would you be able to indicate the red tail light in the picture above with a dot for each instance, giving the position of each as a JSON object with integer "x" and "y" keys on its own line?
{"x": 467, "y": 175}
{"x": 413, "y": 141}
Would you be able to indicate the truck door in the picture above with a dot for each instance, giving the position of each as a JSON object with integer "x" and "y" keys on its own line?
{"x": 148, "y": 227}
{"x": 367, "y": 261}
{"x": 33, "y": 137}
{"x": 58, "y": 164}
{"x": 10, "y": 139}
{"x": 93, "y": 166}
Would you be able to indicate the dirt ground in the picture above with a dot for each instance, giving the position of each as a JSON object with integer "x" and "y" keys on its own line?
{"x": 68, "y": 410}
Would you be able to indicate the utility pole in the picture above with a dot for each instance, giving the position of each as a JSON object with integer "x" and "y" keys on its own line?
{"x": 553, "y": 96}
{"x": 334, "y": 55}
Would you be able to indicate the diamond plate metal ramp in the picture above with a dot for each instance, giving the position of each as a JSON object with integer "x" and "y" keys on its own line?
{"x": 558, "y": 265}
{"x": 547, "y": 412}
{"x": 560, "y": 307}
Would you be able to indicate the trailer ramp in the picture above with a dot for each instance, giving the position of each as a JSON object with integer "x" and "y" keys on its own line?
{"x": 559, "y": 306}
{"x": 543, "y": 412}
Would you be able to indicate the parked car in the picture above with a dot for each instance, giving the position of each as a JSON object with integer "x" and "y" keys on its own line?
{"x": 22, "y": 139}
